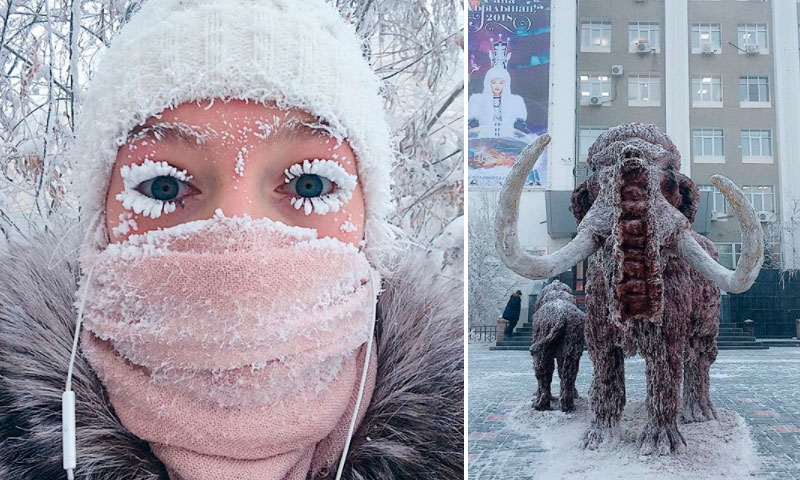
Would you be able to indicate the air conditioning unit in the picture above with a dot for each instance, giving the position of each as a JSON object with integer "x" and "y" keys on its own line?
{"x": 752, "y": 49}
{"x": 643, "y": 47}
{"x": 707, "y": 49}
{"x": 765, "y": 216}
{"x": 616, "y": 70}
{"x": 595, "y": 101}
{"x": 715, "y": 215}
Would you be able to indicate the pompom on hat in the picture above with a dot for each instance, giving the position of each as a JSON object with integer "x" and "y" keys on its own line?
{"x": 300, "y": 55}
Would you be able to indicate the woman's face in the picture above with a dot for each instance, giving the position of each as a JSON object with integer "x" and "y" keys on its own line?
{"x": 497, "y": 86}
{"x": 243, "y": 158}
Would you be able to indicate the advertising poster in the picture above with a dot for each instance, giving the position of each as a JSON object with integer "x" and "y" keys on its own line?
{"x": 509, "y": 75}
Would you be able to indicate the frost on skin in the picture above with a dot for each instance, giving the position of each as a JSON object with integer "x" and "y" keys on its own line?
{"x": 348, "y": 226}
{"x": 557, "y": 337}
{"x": 329, "y": 202}
{"x": 127, "y": 223}
{"x": 326, "y": 130}
{"x": 159, "y": 131}
{"x": 239, "y": 168}
{"x": 141, "y": 204}
{"x": 265, "y": 129}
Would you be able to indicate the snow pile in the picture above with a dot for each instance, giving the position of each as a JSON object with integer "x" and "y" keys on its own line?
{"x": 719, "y": 449}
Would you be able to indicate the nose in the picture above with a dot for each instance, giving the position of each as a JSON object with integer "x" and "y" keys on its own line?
{"x": 242, "y": 198}
{"x": 240, "y": 195}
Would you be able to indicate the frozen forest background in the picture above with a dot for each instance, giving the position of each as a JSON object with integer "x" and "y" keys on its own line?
{"x": 50, "y": 47}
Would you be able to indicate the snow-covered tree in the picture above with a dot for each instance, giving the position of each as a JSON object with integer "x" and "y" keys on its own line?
{"x": 780, "y": 243}
{"x": 490, "y": 281}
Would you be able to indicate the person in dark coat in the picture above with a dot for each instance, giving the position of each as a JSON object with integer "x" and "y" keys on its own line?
{"x": 511, "y": 313}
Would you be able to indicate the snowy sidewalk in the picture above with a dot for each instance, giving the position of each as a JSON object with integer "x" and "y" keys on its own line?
{"x": 761, "y": 386}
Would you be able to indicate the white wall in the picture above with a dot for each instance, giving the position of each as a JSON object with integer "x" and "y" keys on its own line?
{"x": 676, "y": 46}
{"x": 787, "y": 72}
{"x": 561, "y": 110}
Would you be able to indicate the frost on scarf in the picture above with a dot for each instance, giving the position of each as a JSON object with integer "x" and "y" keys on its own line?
{"x": 210, "y": 303}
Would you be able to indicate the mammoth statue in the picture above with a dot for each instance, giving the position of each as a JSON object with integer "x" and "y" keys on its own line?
{"x": 551, "y": 289}
{"x": 557, "y": 337}
{"x": 652, "y": 283}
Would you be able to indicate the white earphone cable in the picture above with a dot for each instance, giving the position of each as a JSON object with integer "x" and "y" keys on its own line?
{"x": 68, "y": 426}
{"x": 367, "y": 356}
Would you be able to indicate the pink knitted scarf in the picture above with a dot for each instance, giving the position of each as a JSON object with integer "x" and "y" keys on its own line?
{"x": 235, "y": 347}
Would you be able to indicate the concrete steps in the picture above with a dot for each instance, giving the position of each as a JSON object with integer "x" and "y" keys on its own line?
{"x": 731, "y": 337}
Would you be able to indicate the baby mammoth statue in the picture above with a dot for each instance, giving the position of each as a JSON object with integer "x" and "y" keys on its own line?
{"x": 557, "y": 338}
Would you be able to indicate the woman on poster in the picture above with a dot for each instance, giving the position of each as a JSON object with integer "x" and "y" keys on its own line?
{"x": 496, "y": 111}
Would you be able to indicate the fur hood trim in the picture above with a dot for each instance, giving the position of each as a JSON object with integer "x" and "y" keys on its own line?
{"x": 413, "y": 429}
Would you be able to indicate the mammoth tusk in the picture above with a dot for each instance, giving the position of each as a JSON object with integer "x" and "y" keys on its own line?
{"x": 749, "y": 265}
{"x": 507, "y": 241}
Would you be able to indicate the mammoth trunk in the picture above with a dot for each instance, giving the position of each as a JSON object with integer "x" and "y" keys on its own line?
{"x": 637, "y": 285}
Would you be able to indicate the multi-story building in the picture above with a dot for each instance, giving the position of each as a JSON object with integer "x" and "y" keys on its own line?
{"x": 710, "y": 74}
{"x": 720, "y": 77}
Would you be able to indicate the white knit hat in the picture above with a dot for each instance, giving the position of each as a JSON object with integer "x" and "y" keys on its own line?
{"x": 300, "y": 54}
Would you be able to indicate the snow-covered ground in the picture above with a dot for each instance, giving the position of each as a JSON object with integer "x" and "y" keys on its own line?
{"x": 757, "y": 394}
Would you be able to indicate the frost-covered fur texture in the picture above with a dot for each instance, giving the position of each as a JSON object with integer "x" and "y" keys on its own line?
{"x": 412, "y": 430}
{"x": 641, "y": 295}
{"x": 557, "y": 339}
{"x": 301, "y": 55}
{"x": 552, "y": 288}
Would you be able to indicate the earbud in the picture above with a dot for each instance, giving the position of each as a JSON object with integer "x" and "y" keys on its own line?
{"x": 68, "y": 429}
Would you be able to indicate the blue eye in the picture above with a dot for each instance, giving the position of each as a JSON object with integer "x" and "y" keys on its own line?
{"x": 164, "y": 187}
{"x": 310, "y": 185}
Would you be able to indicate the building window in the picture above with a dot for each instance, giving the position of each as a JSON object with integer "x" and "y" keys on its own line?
{"x": 729, "y": 253}
{"x": 756, "y": 146}
{"x": 753, "y": 34}
{"x": 644, "y": 91}
{"x": 595, "y": 36}
{"x": 719, "y": 205}
{"x": 706, "y": 38}
{"x": 586, "y": 138}
{"x": 706, "y": 91}
{"x": 645, "y": 33}
{"x": 709, "y": 145}
{"x": 762, "y": 197}
{"x": 595, "y": 89}
{"x": 754, "y": 91}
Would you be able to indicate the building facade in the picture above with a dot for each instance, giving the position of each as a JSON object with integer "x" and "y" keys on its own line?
{"x": 719, "y": 77}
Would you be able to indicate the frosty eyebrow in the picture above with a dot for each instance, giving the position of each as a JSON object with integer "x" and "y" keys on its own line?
{"x": 297, "y": 129}
{"x": 170, "y": 131}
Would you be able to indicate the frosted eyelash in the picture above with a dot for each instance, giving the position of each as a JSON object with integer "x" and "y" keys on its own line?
{"x": 333, "y": 171}
{"x": 134, "y": 175}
